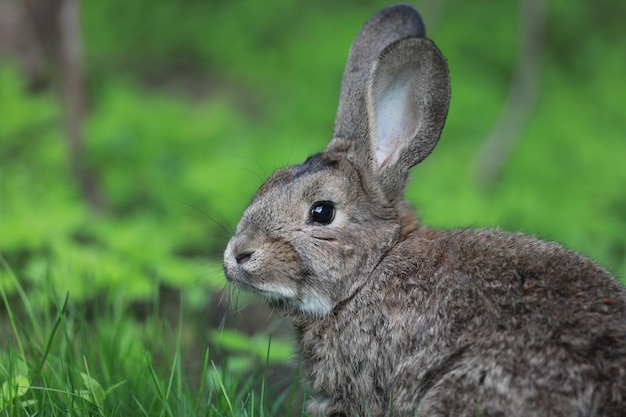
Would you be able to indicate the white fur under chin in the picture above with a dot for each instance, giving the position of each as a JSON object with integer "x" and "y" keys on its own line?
{"x": 316, "y": 304}
{"x": 277, "y": 292}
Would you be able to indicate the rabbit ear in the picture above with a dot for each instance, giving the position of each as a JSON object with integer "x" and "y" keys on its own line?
{"x": 384, "y": 28}
{"x": 407, "y": 98}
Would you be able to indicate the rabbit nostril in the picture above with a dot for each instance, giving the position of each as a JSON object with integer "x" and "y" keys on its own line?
{"x": 244, "y": 257}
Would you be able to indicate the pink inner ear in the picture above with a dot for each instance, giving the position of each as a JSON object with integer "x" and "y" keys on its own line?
{"x": 393, "y": 113}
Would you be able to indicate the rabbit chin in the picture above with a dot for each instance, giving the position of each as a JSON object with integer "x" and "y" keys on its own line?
{"x": 314, "y": 304}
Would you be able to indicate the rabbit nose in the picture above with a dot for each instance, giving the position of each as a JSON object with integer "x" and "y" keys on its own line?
{"x": 244, "y": 257}
{"x": 241, "y": 249}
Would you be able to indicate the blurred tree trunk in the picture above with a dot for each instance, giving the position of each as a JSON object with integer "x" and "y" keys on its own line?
{"x": 522, "y": 95}
{"x": 70, "y": 59}
{"x": 44, "y": 36}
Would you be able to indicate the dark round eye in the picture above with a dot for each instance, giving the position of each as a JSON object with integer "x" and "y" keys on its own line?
{"x": 323, "y": 212}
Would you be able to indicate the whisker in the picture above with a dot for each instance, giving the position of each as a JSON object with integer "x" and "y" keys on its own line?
{"x": 221, "y": 222}
{"x": 222, "y": 324}
{"x": 222, "y": 293}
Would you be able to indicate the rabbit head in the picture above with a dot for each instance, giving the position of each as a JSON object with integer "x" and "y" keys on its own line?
{"x": 315, "y": 231}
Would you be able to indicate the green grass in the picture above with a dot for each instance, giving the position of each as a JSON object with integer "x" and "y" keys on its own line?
{"x": 75, "y": 360}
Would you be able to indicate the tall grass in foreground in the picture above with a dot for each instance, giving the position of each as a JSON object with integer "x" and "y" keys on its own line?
{"x": 97, "y": 360}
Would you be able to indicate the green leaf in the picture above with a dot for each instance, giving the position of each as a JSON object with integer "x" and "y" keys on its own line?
{"x": 14, "y": 388}
{"x": 94, "y": 392}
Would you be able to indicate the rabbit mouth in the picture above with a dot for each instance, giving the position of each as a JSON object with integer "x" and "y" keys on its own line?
{"x": 269, "y": 292}
{"x": 276, "y": 292}
{"x": 285, "y": 298}
{"x": 244, "y": 280}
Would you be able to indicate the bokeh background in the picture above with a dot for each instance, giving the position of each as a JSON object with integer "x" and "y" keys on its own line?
{"x": 134, "y": 133}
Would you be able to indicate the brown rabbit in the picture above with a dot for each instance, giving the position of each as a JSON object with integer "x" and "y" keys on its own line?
{"x": 395, "y": 318}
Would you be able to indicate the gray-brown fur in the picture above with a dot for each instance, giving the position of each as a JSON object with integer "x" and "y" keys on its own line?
{"x": 395, "y": 318}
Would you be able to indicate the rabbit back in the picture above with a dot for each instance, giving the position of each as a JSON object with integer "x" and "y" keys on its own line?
{"x": 465, "y": 322}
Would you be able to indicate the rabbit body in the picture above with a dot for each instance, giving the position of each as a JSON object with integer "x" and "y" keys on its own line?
{"x": 467, "y": 323}
{"x": 395, "y": 318}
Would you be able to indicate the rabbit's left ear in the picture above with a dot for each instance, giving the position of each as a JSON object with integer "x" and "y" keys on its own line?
{"x": 407, "y": 98}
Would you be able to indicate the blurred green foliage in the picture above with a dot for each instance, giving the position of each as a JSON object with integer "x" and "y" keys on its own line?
{"x": 192, "y": 104}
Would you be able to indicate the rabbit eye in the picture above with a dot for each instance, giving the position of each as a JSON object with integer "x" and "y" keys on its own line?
{"x": 322, "y": 212}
